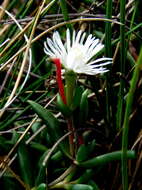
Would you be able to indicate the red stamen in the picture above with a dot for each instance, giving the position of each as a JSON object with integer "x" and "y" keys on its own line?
{"x": 59, "y": 79}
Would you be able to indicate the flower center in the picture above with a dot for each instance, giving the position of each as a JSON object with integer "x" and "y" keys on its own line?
{"x": 75, "y": 57}
{"x": 77, "y": 52}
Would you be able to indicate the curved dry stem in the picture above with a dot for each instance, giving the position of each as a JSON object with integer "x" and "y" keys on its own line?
{"x": 4, "y": 4}
{"x": 12, "y": 98}
{"x": 22, "y": 31}
{"x": 62, "y": 177}
{"x": 55, "y": 27}
{"x": 54, "y": 147}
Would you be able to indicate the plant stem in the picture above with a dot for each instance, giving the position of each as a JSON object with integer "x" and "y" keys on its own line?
{"x": 71, "y": 136}
{"x": 59, "y": 79}
{"x": 108, "y": 51}
{"x": 129, "y": 103}
{"x": 119, "y": 116}
{"x": 108, "y": 31}
{"x": 64, "y": 9}
{"x": 70, "y": 78}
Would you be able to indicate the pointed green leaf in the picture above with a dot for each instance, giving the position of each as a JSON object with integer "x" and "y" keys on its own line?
{"x": 25, "y": 165}
{"x": 64, "y": 109}
{"x": 77, "y": 97}
{"x": 78, "y": 187}
{"x": 83, "y": 107}
{"x": 49, "y": 119}
{"x": 106, "y": 158}
{"x": 52, "y": 123}
{"x": 84, "y": 151}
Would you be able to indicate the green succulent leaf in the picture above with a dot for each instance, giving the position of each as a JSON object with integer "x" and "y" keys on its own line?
{"x": 49, "y": 119}
{"x": 106, "y": 158}
{"x": 42, "y": 186}
{"x": 83, "y": 107}
{"x": 84, "y": 151}
{"x": 79, "y": 187}
{"x": 64, "y": 109}
{"x": 25, "y": 165}
{"x": 52, "y": 123}
{"x": 77, "y": 97}
{"x": 87, "y": 175}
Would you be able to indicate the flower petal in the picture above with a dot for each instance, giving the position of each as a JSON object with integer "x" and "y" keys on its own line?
{"x": 68, "y": 40}
{"x": 78, "y": 37}
{"x": 76, "y": 53}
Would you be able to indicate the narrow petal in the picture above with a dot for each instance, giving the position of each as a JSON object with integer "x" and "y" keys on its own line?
{"x": 98, "y": 48}
{"x": 73, "y": 38}
{"x": 76, "y": 53}
{"x": 103, "y": 59}
{"x": 82, "y": 38}
{"x": 68, "y": 40}
{"x": 88, "y": 41}
{"x": 47, "y": 50}
{"x": 58, "y": 43}
{"x": 78, "y": 37}
{"x": 95, "y": 44}
{"x": 49, "y": 53}
{"x": 53, "y": 49}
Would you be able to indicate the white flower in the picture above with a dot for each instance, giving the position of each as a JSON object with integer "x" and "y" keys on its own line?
{"x": 77, "y": 52}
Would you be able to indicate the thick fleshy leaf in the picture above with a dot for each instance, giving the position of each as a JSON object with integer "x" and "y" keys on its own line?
{"x": 85, "y": 177}
{"x": 77, "y": 97}
{"x": 105, "y": 158}
{"x": 64, "y": 109}
{"x": 83, "y": 107}
{"x": 52, "y": 123}
{"x": 25, "y": 165}
{"x": 84, "y": 151}
{"x": 42, "y": 186}
{"x": 49, "y": 119}
{"x": 78, "y": 187}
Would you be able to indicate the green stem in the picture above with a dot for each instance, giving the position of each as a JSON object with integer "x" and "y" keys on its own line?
{"x": 108, "y": 51}
{"x": 64, "y": 9}
{"x": 129, "y": 103}
{"x": 71, "y": 136}
{"x": 70, "y": 79}
{"x": 122, "y": 64}
{"x": 108, "y": 31}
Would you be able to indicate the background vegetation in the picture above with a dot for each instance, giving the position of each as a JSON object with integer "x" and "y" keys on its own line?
{"x": 34, "y": 147}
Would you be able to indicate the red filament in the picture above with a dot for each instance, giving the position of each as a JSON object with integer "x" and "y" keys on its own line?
{"x": 59, "y": 79}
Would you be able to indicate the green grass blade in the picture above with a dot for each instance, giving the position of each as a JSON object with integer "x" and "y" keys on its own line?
{"x": 129, "y": 103}
{"x": 64, "y": 9}
{"x": 122, "y": 65}
{"x": 108, "y": 52}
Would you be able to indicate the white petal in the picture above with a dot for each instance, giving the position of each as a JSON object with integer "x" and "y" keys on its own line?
{"x": 78, "y": 36}
{"x": 103, "y": 59}
{"x": 73, "y": 38}
{"x": 52, "y": 48}
{"x": 68, "y": 40}
{"x": 58, "y": 43}
{"x": 76, "y": 52}
{"x": 88, "y": 41}
{"x": 49, "y": 53}
{"x": 91, "y": 49}
{"x": 82, "y": 38}
{"x": 47, "y": 50}
{"x": 94, "y": 44}
{"x": 98, "y": 48}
